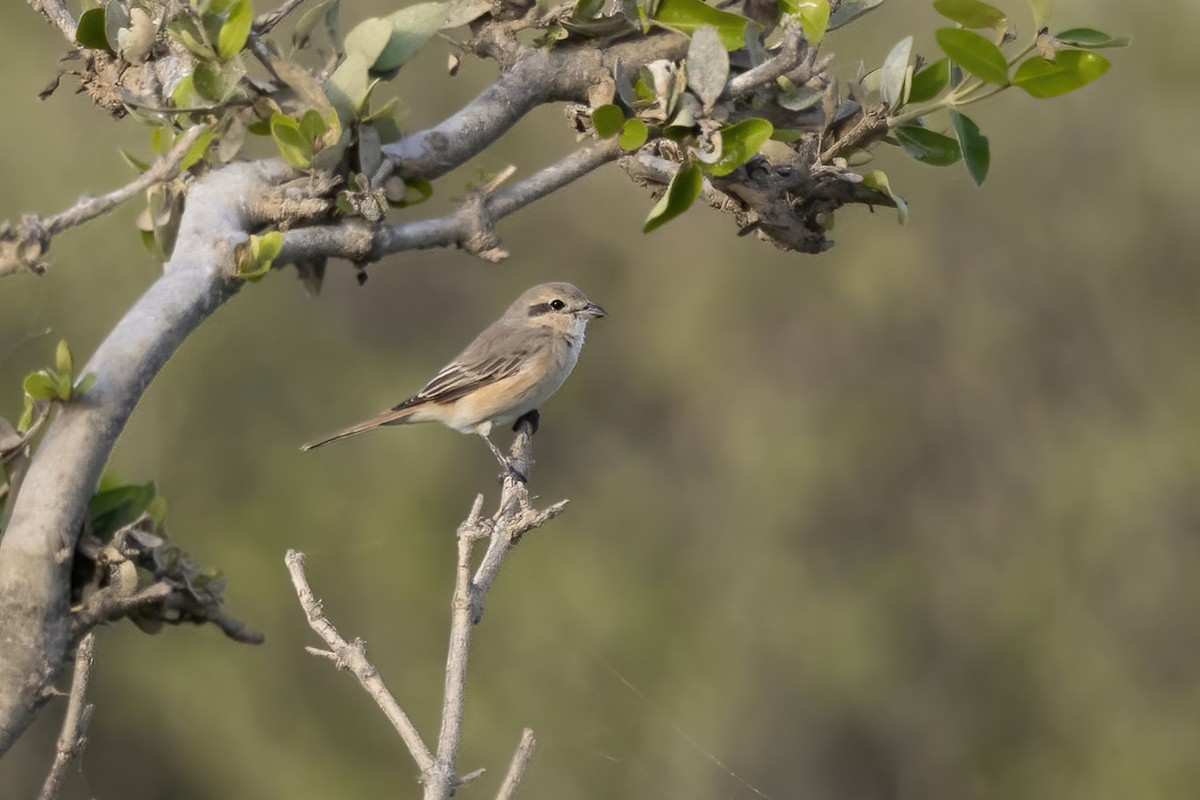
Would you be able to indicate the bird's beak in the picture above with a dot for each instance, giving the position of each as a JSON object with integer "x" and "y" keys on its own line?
{"x": 592, "y": 311}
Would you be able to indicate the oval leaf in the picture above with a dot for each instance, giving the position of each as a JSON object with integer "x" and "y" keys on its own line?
{"x": 688, "y": 16}
{"x": 928, "y": 147}
{"x": 707, "y": 65}
{"x": 894, "y": 72}
{"x": 975, "y": 54}
{"x": 1071, "y": 70}
{"x": 63, "y": 362}
{"x": 90, "y": 30}
{"x": 740, "y": 143}
{"x": 633, "y": 135}
{"x": 235, "y": 30}
{"x": 973, "y": 145}
{"x": 608, "y": 120}
{"x": 1090, "y": 39}
{"x": 877, "y": 179}
{"x": 684, "y": 189}
{"x": 929, "y": 82}
{"x": 814, "y": 19}
{"x": 972, "y": 13}
{"x": 1041, "y": 12}
{"x": 293, "y": 146}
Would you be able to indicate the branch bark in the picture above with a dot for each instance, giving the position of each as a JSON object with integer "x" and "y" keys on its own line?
{"x": 73, "y": 739}
{"x": 37, "y": 548}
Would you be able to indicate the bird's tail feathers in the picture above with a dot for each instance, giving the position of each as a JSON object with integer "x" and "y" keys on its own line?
{"x": 394, "y": 416}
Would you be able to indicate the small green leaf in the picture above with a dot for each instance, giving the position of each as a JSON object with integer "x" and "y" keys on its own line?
{"x": 185, "y": 94}
{"x": 1041, "y": 12}
{"x": 688, "y": 16}
{"x": 684, "y": 189}
{"x": 41, "y": 385}
{"x": 26, "y": 419}
{"x": 63, "y": 361}
{"x": 1090, "y": 39}
{"x": 975, "y": 54}
{"x": 894, "y": 73}
{"x": 293, "y": 146}
{"x": 260, "y": 254}
{"x": 850, "y": 10}
{"x": 1068, "y": 72}
{"x": 63, "y": 387}
{"x": 972, "y": 13}
{"x": 197, "y": 150}
{"x": 134, "y": 161}
{"x": 313, "y": 126}
{"x": 608, "y": 120}
{"x": 740, "y": 143}
{"x": 633, "y": 135}
{"x": 930, "y": 81}
{"x": 184, "y": 30}
{"x": 218, "y": 82}
{"x": 235, "y": 30}
{"x": 113, "y": 509}
{"x": 976, "y": 154}
{"x": 814, "y": 19}
{"x": 928, "y": 147}
{"x": 85, "y": 384}
{"x": 90, "y": 30}
{"x": 877, "y": 179}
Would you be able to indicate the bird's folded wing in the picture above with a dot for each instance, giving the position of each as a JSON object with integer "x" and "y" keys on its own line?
{"x": 458, "y": 379}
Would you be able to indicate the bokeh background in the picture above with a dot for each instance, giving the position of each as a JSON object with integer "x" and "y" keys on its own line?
{"x": 916, "y": 518}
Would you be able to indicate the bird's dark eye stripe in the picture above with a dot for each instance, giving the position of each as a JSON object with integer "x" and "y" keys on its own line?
{"x": 537, "y": 309}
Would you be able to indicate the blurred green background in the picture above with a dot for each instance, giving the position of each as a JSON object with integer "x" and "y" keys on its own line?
{"x": 916, "y": 518}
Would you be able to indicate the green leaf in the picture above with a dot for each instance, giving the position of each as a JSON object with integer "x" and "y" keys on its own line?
{"x": 90, "y": 30}
{"x": 633, "y": 135}
{"x": 1041, "y": 12}
{"x": 972, "y": 13}
{"x": 1068, "y": 72}
{"x": 197, "y": 150}
{"x": 608, "y": 120}
{"x": 134, "y": 161}
{"x": 877, "y": 179}
{"x": 26, "y": 419}
{"x": 894, "y": 73}
{"x": 63, "y": 361}
{"x": 260, "y": 254}
{"x": 184, "y": 30}
{"x": 293, "y": 146}
{"x": 41, "y": 385}
{"x": 368, "y": 39}
{"x": 928, "y": 147}
{"x": 740, "y": 143}
{"x": 218, "y": 82}
{"x": 1090, "y": 39}
{"x": 235, "y": 30}
{"x": 313, "y": 126}
{"x": 850, "y": 10}
{"x": 684, "y": 189}
{"x": 85, "y": 384}
{"x": 813, "y": 15}
{"x": 975, "y": 54}
{"x": 974, "y": 147}
{"x": 326, "y": 12}
{"x": 930, "y": 81}
{"x": 688, "y": 16}
{"x": 115, "y": 18}
{"x": 113, "y": 509}
{"x": 185, "y": 94}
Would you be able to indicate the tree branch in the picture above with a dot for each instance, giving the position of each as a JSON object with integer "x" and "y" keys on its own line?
{"x": 73, "y": 738}
{"x": 352, "y": 657}
{"x": 47, "y": 514}
{"x": 520, "y": 762}
{"x": 514, "y": 517}
{"x": 57, "y": 14}
{"x": 471, "y": 227}
{"x": 23, "y": 248}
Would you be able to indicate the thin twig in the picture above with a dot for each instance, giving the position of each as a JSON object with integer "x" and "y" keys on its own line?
{"x": 73, "y": 738}
{"x": 352, "y": 657}
{"x": 788, "y": 58}
{"x": 263, "y": 23}
{"x": 163, "y": 169}
{"x": 520, "y": 762}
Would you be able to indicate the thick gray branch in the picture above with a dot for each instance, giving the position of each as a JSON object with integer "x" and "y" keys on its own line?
{"x": 36, "y": 551}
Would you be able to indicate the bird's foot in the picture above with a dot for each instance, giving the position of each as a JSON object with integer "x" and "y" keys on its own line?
{"x": 532, "y": 417}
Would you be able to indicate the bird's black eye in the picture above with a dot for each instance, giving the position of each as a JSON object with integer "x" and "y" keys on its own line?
{"x": 557, "y": 305}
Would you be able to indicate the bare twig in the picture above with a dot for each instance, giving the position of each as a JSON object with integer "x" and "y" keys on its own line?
{"x": 352, "y": 657}
{"x": 788, "y": 58}
{"x": 58, "y": 15}
{"x": 23, "y": 247}
{"x": 73, "y": 738}
{"x": 520, "y": 762}
{"x": 263, "y": 23}
{"x": 470, "y": 227}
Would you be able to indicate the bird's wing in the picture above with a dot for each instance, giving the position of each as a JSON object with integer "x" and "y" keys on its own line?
{"x": 463, "y": 377}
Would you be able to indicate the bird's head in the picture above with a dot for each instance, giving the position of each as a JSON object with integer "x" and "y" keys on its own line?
{"x": 557, "y": 305}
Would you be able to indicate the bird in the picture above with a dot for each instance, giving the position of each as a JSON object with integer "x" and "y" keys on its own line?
{"x": 505, "y": 374}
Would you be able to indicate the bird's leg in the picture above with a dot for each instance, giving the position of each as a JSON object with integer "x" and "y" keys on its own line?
{"x": 503, "y": 459}
{"x": 532, "y": 417}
